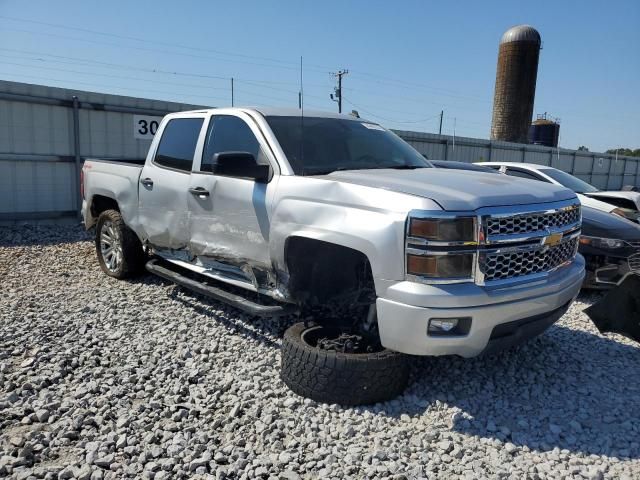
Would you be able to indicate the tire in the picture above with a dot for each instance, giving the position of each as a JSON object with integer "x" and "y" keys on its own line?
{"x": 118, "y": 248}
{"x": 343, "y": 378}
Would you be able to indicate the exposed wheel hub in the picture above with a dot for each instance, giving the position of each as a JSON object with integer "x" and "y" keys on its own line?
{"x": 336, "y": 340}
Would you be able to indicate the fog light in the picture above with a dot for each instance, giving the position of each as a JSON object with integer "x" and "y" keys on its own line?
{"x": 442, "y": 324}
{"x": 449, "y": 326}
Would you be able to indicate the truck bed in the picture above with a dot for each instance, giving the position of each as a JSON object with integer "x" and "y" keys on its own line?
{"x": 112, "y": 179}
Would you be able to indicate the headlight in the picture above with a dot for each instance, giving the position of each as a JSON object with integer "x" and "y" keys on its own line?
{"x": 600, "y": 242}
{"x": 442, "y": 235}
{"x": 452, "y": 266}
{"x": 450, "y": 230}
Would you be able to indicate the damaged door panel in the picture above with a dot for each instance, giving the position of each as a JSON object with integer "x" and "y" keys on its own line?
{"x": 164, "y": 182}
{"x": 619, "y": 310}
{"x": 229, "y": 218}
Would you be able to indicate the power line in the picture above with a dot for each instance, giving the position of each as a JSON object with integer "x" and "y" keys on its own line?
{"x": 389, "y": 119}
{"x": 226, "y": 78}
{"x": 256, "y": 83}
{"x": 106, "y": 75}
{"x": 66, "y": 81}
{"x": 388, "y": 80}
{"x": 92, "y": 62}
{"x": 144, "y": 40}
{"x": 281, "y": 63}
{"x": 233, "y": 81}
{"x": 148, "y": 49}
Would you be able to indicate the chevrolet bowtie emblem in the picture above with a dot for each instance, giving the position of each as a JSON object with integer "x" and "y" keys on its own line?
{"x": 553, "y": 239}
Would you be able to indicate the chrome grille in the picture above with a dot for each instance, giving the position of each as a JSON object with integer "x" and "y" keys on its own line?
{"x": 532, "y": 222}
{"x": 501, "y": 266}
{"x": 634, "y": 262}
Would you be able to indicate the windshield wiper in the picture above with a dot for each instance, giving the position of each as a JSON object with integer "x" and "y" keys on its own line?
{"x": 327, "y": 171}
{"x": 406, "y": 167}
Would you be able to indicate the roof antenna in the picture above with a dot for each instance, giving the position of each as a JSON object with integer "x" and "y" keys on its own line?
{"x": 301, "y": 106}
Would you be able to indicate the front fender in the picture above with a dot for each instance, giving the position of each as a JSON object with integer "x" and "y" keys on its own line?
{"x": 369, "y": 220}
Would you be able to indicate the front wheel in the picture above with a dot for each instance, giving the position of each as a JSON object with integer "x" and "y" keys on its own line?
{"x": 119, "y": 250}
{"x": 326, "y": 365}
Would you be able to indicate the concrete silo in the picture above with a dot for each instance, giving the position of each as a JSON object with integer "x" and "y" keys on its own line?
{"x": 515, "y": 84}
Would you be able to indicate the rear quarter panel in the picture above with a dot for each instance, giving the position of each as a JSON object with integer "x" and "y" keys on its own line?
{"x": 112, "y": 180}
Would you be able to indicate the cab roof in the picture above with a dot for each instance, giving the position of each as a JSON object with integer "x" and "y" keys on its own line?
{"x": 281, "y": 112}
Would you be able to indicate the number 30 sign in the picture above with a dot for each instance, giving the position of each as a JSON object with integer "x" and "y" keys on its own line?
{"x": 144, "y": 127}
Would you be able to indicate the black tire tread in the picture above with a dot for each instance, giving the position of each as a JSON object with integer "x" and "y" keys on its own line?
{"x": 132, "y": 251}
{"x": 342, "y": 378}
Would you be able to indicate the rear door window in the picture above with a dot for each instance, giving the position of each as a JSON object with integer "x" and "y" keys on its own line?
{"x": 178, "y": 143}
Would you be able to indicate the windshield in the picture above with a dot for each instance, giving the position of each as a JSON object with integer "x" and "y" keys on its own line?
{"x": 331, "y": 144}
{"x": 567, "y": 180}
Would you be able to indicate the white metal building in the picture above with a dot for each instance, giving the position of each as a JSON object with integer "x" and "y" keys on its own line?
{"x": 47, "y": 132}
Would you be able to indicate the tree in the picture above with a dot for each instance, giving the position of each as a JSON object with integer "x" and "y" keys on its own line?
{"x": 625, "y": 151}
{"x": 582, "y": 148}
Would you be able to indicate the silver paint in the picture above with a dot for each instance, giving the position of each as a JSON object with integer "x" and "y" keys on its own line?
{"x": 239, "y": 232}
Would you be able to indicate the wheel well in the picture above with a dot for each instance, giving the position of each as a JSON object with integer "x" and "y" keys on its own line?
{"x": 323, "y": 273}
{"x": 100, "y": 203}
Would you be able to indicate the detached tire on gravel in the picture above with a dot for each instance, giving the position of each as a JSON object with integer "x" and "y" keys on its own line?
{"x": 343, "y": 378}
{"x": 119, "y": 250}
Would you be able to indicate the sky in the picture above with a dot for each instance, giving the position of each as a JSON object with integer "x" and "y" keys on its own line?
{"x": 407, "y": 60}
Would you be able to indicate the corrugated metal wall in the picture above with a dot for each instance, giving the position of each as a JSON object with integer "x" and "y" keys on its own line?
{"x": 38, "y": 172}
{"x": 600, "y": 169}
{"x": 37, "y": 144}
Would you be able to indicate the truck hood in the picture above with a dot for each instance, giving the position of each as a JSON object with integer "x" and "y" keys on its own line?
{"x": 457, "y": 190}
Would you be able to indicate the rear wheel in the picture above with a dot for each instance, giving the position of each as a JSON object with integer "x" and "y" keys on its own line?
{"x": 330, "y": 365}
{"x": 119, "y": 250}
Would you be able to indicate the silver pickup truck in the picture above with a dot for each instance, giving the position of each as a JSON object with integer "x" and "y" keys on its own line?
{"x": 338, "y": 220}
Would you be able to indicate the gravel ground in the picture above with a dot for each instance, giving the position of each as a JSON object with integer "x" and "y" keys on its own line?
{"x": 102, "y": 378}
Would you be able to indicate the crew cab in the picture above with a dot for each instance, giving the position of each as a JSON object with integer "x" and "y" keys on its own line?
{"x": 275, "y": 212}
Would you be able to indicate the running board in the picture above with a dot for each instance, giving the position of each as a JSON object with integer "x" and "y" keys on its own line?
{"x": 232, "y": 299}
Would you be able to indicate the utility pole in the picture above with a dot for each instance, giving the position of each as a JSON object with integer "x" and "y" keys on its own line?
{"x": 337, "y": 96}
{"x": 454, "y": 134}
{"x": 440, "y": 129}
{"x": 232, "y": 91}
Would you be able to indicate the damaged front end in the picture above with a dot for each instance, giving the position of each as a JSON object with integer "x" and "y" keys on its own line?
{"x": 608, "y": 261}
{"x": 619, "y": 309}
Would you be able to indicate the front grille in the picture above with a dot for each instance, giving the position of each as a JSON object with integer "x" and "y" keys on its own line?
{"x": 532, "y": 222}
{"x": 634, "y": 262}
{"x": 500, "y": 266}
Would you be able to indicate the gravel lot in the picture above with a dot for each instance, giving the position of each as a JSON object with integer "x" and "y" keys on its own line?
{"x": 102, "y": 378}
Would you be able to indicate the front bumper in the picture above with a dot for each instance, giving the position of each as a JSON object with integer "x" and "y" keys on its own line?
{"x": 406, "y": 308}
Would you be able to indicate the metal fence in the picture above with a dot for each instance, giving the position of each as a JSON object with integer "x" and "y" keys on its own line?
{"x": 602, "y": 170}
{"x": 46, "y": 133}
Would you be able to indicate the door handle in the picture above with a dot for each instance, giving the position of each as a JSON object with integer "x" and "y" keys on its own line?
{"x": 199, "y": 191}
{"x": 147, "y": 182}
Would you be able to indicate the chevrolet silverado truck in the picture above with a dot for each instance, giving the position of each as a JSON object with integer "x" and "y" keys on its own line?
{"x": 337, "y": 220}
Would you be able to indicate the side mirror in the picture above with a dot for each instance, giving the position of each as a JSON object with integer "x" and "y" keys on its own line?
{"x": 240, "y": 165}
